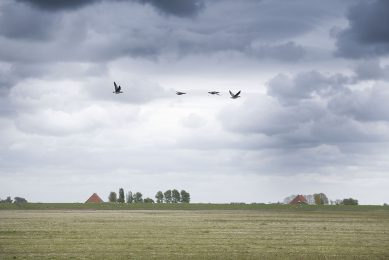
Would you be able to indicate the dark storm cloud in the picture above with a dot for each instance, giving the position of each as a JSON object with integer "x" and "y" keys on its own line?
{"x": 20, "y": 22}
{"x": 264, "y": 32}
{"x": 368, "y": 31}
{"x": 177, "y": 7}
{"x": 58, "y": 5}
{"x": 174, "y": 7}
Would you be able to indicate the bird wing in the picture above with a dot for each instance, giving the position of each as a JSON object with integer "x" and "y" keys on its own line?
{"x": 119, "y": 88}
{"x": 116, "y": 86}
{"x": 232, "y": 94}
{"x": 237, "y": 94}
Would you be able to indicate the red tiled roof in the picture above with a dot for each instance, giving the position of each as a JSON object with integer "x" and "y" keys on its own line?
{"x": 300, "y": 199}
{"x": 94, "y": 199}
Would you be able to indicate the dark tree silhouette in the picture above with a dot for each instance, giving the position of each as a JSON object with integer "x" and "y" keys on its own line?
{"x": 185, "y": 196}
{"x": 168, "y": 196}
{"x": 112, "y": 197}
{"x": 121, "y": 195}
{"x": 159, "y": 197}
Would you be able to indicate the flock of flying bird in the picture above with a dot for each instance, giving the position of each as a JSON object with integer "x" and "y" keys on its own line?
{"x": 118, "y": 90}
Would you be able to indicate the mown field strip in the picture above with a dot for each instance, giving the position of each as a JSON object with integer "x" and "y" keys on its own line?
{"x": 214, "y": 234}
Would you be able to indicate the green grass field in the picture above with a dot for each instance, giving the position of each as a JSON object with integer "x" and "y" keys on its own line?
{"x": 197, "y": 231}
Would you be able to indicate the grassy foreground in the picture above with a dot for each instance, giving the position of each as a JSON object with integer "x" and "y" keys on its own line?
{"x": 195, "y": 234}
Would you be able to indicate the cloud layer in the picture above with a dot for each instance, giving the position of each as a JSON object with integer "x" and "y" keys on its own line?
{"x": 308, "y": 121}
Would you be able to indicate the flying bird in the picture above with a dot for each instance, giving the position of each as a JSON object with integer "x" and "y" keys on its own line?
{"x": 234, "y": 96}
{"x": 214, "y": 93}
{"x": 180, "y": 93}
{"x": 118, "y": 89}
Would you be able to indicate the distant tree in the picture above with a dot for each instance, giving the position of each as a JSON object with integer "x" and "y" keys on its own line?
{"x": 350, "y": 201}
{"x": 159, "y": 197}
{"x": 121, "y": 195}
{"x": 148, "y": 200}
{"x": 20, "y": 200}
{"x": 310, "y": 199}
{"x": 185, "y": 196}
{"x": 130, "y": 198}
{"x": 338, "y": 202}
{"x": 324, "y": 198}
{"x": 7, "y": 200}
{"x": 317, "y": 199}
{"x": 138, "y": 197}
{"x": 320, "y": 199}
{"x": 176, "y": 196}
{"x": 112, "y": 197}
{"x": 168, "y": 196}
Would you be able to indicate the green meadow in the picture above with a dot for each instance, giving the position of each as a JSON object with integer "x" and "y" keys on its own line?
{"x": 193, "y": 231}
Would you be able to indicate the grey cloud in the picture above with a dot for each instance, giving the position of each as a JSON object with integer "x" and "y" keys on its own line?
{"x": 289, "y": 51}
{"x": 305, "y": 85}
{"x": 371, "y": 70}
{"x": 269, "y": 118}
{"x": 301, "y": 126}
{"x": 312, "y": 109}
{"x": 6, "y": 81}
{"x": 58, "y": 5}
{"x": 368, "y": 33}
{"x": 306, "y": 137}
{"x": 177, "y": 7}
{"x": 193, "y": 121}
{"x": 20, "y": 22}
{"x": 60, "y": 123}
{"x": 370, "y": 104}
{"x": 12, "y": 73}
{"x": 174, "y": 7}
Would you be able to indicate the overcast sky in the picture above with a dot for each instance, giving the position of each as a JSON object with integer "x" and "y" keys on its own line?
{"x": 313, "y": 114}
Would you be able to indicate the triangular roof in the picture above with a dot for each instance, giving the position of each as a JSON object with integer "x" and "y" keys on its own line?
{"x": 299, "y": 199}
{"x": 94, "y": 199}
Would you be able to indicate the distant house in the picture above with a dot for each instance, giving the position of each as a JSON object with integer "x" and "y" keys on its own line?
{"x": 299, "y": 199}
{"x": 94, "y": 199}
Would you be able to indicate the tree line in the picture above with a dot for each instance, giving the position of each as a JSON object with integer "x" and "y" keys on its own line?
{"x": 15, "y": 200}
{"x": 322, "y": 199}
{"x": 169, "y": 196}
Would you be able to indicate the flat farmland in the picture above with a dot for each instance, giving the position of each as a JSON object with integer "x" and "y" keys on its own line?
{"x": 194, "y": 234}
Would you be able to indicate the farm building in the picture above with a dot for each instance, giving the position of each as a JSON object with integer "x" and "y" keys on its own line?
{"x": 94, "y": 199}
{"x": 299, "y": 199}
